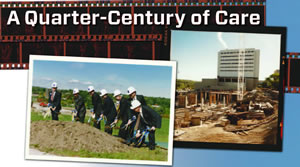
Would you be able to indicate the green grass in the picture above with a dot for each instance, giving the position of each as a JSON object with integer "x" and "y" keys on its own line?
{"x": 142, "y": 153}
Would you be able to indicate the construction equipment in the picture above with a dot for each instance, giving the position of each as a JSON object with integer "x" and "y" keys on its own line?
{"x": 91, "y": 88}
{"x": 117, "y": 92}
{"x": 54, "y": 85}
{"x": 112, "y": 125}
{"x": 130, "y": 90}
{"x": 47, "y": 113}
{"x": 92, "y": 115}
{"x": 129, "y": 122}
{"x": 103, "y": 92}
{"x": 75, "y": 91}
{"x": 74, "y": 115}
{"x": 135, "y": 104}
{"x": 241, "y": 68}
{"x": 144, "y": 133}
{"x": 102, "y": 118}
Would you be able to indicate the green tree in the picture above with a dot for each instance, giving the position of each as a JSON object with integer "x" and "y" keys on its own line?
{"x": 272, "y": 81}
{"x": 184, "y": 84}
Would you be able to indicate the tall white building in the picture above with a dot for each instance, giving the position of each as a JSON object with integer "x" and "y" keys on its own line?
{"x": 228, "y": 66}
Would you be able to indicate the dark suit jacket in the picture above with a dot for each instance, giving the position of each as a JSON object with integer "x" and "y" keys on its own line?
{"x": 79, "y": 106}
{"x": 97, "y": 103}
{"x": 109, "y": 109}
{"x": 56, "y": 100}
{"x": 125, "y": 113}
{"x": 140, "y": 98}
{"x": 150, "y": 118}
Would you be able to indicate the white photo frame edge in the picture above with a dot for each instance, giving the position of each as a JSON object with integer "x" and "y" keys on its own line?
{"x": 172, "y": 64}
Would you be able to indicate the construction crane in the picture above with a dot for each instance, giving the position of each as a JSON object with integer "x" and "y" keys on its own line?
{"x": 241, "y": 68}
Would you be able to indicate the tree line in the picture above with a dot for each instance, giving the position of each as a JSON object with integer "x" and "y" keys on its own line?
{"x": 182, "y": 84}
{"x": 159, "y": 104}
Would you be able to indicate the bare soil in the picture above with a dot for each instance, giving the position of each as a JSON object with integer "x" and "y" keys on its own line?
{"x": 73, "y": 136}
{"x": 208, "y": 132}
{"x": 212, "y": 130}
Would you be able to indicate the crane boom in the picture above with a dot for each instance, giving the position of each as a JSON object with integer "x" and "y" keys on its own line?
{"x": 241, "y": 68}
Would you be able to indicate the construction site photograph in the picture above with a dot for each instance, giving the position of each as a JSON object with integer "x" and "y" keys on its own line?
{"x": 100, "y": 110}
{"x": 228, "y": 89}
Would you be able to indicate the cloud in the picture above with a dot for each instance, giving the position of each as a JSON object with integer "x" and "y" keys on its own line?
{"x": 73, "y": 81}
{"x": 220, "y": 38}
{"x": 116, "y": 79}
{"x": 47, "y": 79}
{"x": 77, "y": 65}
{"x": 87, "y": 83}
{"x": 112, "y": 77}
{"x": 43, "y": 82}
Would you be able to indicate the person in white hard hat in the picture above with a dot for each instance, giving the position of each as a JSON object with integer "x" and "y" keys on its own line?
{"x": 147, "y": 119}
{"x": 133, "y": 96}
{"x": 124, "y": 114}
{"x": 109, "y": 110}
{"x": 54, "y": 101}
{"x": 131, "y": 91}
{"x": 79, "y": 106}
{"x": 97, "y": 103}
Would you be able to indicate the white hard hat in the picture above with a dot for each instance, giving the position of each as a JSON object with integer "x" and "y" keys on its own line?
{"x": 117, "y": 92}
{"x": 54, "y": 85}
{"x": 131, "y": 90}
{"x": 135, "y": 104}
{"x": 90, "y": 88}
{"x": 75, "y": 91}
{"x": 103, "y": 92}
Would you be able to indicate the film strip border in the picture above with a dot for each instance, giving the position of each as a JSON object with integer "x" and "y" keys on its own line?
{"x": 79, "y": 38}
{"x": 105, "y": 41}
{"x": 288, "y": 60}
{"x": 73, "y": 38}
{"x": 128, "y": 3}
{"x": 155, "y": 38}
{"x": 14, "y": 66}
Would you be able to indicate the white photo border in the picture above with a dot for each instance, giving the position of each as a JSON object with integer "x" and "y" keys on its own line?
{"x": 171, "y": 64}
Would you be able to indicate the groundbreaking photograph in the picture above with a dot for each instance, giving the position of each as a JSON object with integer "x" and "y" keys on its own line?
{"x": 228, "y": 88}
{"x": 100, "y": 110}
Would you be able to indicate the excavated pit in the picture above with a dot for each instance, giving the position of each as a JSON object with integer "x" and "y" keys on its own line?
{"x": 254, "y": 121}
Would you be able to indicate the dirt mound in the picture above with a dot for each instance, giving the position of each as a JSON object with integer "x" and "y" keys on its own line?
{"x": 73, "y": 136}
{"x": 262, "y": 95}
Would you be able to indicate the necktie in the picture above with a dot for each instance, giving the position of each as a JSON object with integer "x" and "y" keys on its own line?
{"x": 118, "y": 107}
{"x": 52, "y": 96}
{"x": 137, "y": 122}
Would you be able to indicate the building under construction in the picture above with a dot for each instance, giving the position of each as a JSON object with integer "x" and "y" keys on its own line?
{"x": 219, "y": 109}
{"x": 230, "y": 63}
{"x": 238, "y": 71}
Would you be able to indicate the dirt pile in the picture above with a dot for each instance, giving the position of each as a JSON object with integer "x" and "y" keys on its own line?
{"x": 262, "y": 95}
{"x": 73, "y": 136}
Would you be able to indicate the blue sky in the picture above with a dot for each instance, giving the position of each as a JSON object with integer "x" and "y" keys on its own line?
{"x": 148, "y": 80}
{"x": 197, "y": 52}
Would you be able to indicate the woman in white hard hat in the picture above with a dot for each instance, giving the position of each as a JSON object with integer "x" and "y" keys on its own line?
{"x": 79, "y": 106}
{"x": 54, "y": 101}
{"x": 109, "y": 110}
{"x": 147, "y": 117}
